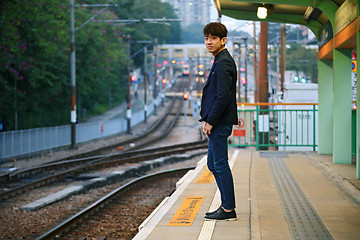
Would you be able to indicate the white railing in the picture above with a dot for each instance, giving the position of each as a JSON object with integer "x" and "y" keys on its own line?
{"x": 26, "y": 142}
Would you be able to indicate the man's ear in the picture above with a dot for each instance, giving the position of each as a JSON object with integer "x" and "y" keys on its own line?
{"x": 223, "y": 40}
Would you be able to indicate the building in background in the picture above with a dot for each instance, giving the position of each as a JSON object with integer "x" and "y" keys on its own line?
{"x": 192, "y": 11}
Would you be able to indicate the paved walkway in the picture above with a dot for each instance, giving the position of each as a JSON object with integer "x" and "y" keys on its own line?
{"x": 279, "y": 195}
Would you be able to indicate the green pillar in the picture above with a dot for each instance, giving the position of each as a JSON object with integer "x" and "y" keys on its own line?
{"x": 325, "y": 110}
{"x": 342, "y": 107}
{"x": 358, "y": 105}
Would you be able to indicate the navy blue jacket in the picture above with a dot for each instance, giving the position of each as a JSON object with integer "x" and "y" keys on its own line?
{"x": 218, "y": 103}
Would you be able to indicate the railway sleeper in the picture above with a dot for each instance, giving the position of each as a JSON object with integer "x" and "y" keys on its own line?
{"x": 131, "y": 171}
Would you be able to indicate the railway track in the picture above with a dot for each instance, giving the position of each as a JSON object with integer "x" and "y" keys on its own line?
{"x": 46, "y": 179}
{"x": 113, "y": 202}
{"x": 37, "y": 176}
{"x": 140, "y": 140}
{"x": 135, "y": 156}
{"x": 93, "y": 154}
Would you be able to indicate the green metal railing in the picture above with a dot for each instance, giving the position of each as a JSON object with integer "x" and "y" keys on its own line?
{"x": 282, "y": 126}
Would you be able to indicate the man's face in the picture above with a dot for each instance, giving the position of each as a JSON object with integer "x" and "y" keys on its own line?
{"x": 214, "y": 44}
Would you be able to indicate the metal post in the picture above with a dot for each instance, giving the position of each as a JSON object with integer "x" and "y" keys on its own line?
{"x": 246, "y": 79}
{"x": 282, "y": 55}
{"x": 277, "y": 71}
{"x": 155, "y": 75}
{"x": 314, "y": 130}
{"x": 72, "y": 74}
{"x": 263, "y": 81}
{"x": 255, "y": 73}
{"x": 109, "y": 97}
{"x": 145, "y": 84}
{"x": 263, "y": 78}
{"x": 190, "y": 72}
{"x": 15, "y": 107}
{"x": 257, "y": 128}
{"x": 198, "y": 74}
{"x": 128, "y": 98}
{"x": 239, "y": 74}
{"x": 185, "y": 108}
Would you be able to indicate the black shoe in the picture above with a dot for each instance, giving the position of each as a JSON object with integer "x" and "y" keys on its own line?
{"x": 210, "y": 213}
{"x": 220, "y": 214}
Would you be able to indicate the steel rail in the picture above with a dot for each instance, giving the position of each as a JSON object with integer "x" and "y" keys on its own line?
{"x": 101, "y": 203}
{"x": 62, "y": 163}
{"x": 108, "y": 160}
{"x": 105, "y": 162}
{"x": 89, "y": 155}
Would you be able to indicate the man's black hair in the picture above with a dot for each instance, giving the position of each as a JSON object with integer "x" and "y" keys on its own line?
{"x": 215, "y": 29}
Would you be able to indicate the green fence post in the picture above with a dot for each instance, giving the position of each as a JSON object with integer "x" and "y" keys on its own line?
{"x": 257, "y": 128}
{"x": 314, "y": 130}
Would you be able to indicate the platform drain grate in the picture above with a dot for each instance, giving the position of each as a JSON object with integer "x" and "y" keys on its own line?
{"x": 303, "y": 220}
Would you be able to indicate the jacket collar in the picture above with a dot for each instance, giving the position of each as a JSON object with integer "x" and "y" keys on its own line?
{"x": 222, "y": 52}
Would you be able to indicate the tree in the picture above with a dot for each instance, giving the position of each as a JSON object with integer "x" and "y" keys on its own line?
{"x": 165, "y": 32}
{"x": 34, "y": 53}
{"x": 300, "y": 59}
{"x": 193, "y": 33}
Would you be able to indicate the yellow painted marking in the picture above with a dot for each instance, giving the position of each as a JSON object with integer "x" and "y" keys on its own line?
{"x": 186, "y": 213}
{"x": 206, "y": 177}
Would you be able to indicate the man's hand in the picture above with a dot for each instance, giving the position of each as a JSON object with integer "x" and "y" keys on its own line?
{"x": 207, "y": 128}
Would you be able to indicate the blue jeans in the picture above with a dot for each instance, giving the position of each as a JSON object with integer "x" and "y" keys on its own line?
{"x": 218, "y": 164}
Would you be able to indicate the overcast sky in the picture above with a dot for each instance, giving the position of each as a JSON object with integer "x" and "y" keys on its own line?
{"x": 231, "y": 23}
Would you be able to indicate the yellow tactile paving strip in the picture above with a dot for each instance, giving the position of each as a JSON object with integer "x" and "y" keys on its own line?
{"x": 207, "y": 230}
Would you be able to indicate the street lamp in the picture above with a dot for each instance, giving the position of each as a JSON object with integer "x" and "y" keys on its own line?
{"x": 262, "y": 12}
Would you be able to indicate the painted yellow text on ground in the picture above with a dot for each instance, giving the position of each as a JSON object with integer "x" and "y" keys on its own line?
{"x": 186, "y": 213}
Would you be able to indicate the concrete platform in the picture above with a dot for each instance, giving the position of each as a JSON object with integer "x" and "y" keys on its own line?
{"x": 270, "y": 189}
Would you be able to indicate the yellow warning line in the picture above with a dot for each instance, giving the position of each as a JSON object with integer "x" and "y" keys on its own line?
{"x": 187, "y": 212}
{"x": 209, "y": 226}
{"x": 206, "y": 177}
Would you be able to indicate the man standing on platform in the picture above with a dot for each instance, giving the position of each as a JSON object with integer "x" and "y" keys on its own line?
{"x": 219, "y": 114}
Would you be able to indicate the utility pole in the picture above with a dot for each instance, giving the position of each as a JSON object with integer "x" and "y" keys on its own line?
{"x": 256, "y": 98}
{"x": 145, "y": 84}
{"x": 155, "y": 74}
{"x": 72, "y": 74}
{"x": 73, "y": 117}
{"x": 198, "y": 73}
{"x": 263, "y": 120}
{"x": 128, "y": 98}
{"x": 246, "y": 77}
{"x": 282, "y": 54}
{"x": 15, "y": 106}
{"x": 263, "y": 78}
{"x": 239, "y": 72}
